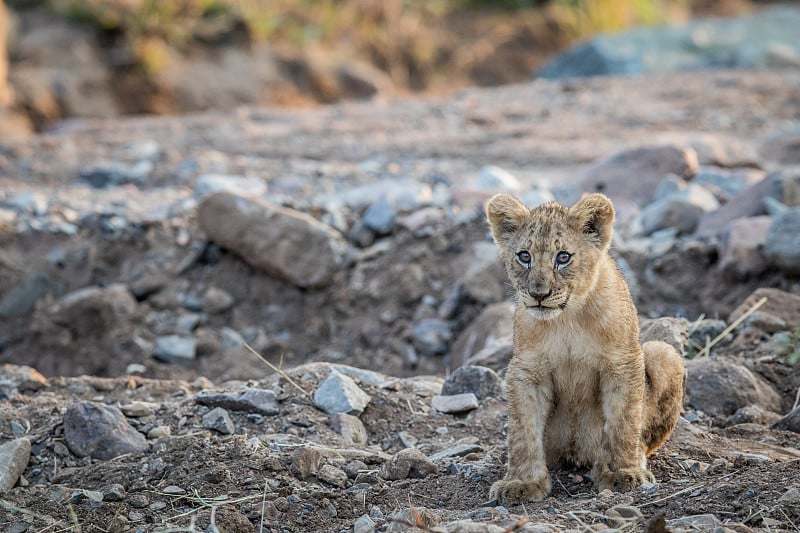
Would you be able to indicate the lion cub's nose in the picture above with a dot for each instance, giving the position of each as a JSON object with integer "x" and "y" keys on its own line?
{"x": 538, "y": 295}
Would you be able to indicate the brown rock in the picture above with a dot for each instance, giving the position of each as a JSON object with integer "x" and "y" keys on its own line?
{"x": 100, "y": 431}
{"x": 634, "y": 174}
{"x": 493, "y": 324}
{"x": 282, "y": 242}
{"x": 21, "y": 379}
{"x": 95, "y": 310}
{"x": 781, "y": 304}
{"x": 408, "y": 463}
{"x": 790, "y": 422}
{"x": 673, "y": 331}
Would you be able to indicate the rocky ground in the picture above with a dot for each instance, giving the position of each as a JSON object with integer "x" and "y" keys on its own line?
{"x": 346, "y": 246}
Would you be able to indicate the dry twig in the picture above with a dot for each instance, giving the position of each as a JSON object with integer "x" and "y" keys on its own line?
{"x": 756, "y": 306}
{"x": 276, "y": 369}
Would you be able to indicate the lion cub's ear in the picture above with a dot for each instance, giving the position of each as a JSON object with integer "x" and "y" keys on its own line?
{"x": 594, "y": 216}
{"x": 506, "y": 215}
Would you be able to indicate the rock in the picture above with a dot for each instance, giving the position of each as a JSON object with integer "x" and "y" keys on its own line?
{"x": 485, "y": 278}
{"x": 305, "y": 462}
{"x": 216, "y": 300}
{"x": 681, "y": 210}
{"x": 746, "y": 41}
{"x": 21, "y": 379}
{"x": 175, "y": 349}
{"x": 705, "y": 331}
{"x": 790, "y": 422}
{"x": 782, "y": 242}
{"x": 332, "y": 475}
{"x": 700, "y": 522}
{"x": 791, "y": 496}
{"x": 431, "y": 336}
{"x": 103, "y": 177}
{"x": 95, "y": 310}
{"x": 720, "y": 387}
{"x": 380, "y": 216}
{"x": 747, "y": 203}
{"x": 725, "y": 183}
{"x": 340, "y": 394}
{"x": 159, "y": 432}
{"x": 468, "y": 526}
{"x": 350, "y": 428}
{"x": 673, "y": 331}
{"x": 282, "y": 242}
{"x": 633, "y": 175}
{"x": 114, "y": 493}
{"x": 494, "y": 179}
{"x": 219, "y": 420}
{"x": 421, "y": 220}
{"x": 424, "y": 519}
{"x": 492, "y": 325}
{"x": 364, "y": 524}
{"x": 252, "y": 400}
{"x": 139, "y": 409}
{"x": 495, "y": 356}
{"x": 100, "y": 431}
{"x": 741, "y": 249}
{"x": 456, "y": 403}
{"x": 751, "y": 414}
{"x": 481, "y": 381}
{"x": 14, "y": 457}
{"x": 405, "y": 195}
{"x": 408, "y": 463}
{"x": 781, "y": 304}
{"x": 764, "y": 321}
{"x": 783, "y": 149}
{"x": 244, "y": 186}
{"x": 459, "y": 450}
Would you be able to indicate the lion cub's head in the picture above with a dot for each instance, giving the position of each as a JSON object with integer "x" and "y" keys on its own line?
{"x": 551, "y": 252}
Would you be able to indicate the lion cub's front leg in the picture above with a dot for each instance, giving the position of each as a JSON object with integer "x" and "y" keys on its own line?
{"x": 527, "y": 478}
{"x": 620, "y": 465}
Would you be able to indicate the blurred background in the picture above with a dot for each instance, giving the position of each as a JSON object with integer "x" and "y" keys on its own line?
{"x": 63, "y": 59}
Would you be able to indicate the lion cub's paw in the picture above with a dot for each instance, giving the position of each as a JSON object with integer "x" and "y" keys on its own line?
{"x": 509, "y": 491}
{"x": 624, "y": 480}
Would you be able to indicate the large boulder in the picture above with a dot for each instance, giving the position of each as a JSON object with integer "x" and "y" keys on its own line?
{"x": 634, "y": 175}
{"x": 282, "y": 242}
{"x": 720, "y": 387}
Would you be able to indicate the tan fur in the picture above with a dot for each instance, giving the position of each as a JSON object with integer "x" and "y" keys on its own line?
{"x": 581, "y": 389}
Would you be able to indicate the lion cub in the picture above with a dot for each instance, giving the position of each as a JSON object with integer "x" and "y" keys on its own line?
{"x": 581, "y": 388}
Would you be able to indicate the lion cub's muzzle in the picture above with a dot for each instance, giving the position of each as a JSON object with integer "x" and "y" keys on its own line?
{"x": 544, "y": 305}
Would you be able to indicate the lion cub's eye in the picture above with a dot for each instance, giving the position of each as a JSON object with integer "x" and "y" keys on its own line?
{"x": 562, "y": 258}
{"x": 524, "y": 258}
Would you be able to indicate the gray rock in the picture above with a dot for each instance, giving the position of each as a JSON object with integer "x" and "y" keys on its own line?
{"x": 456, "y": 403}
{"x": 408, "y": 463}
{"x": 431, "y": 336}
{"x": 481, "y": 381}
{"x": 219, "y": 420}
{"x": 114, "y": 493}
{"x": 747, "y": 203}
{"x": 380, "y": 216}
{"x": 100, "y": 431}
{"x": 95, "y": 310}
{"x": 681, "y": 210}
{"x": 103, "y": 177}
{"x": 495, "y": 356}
{"x": 699, "y": 522}
{"x": 28, "y": 202}
{"x": 364, "y": 524}
{"x": 340, "y": 394}
{"x": 460, "y": 450}
{"x": 727, "y": 183}
{"x": 485, "y": 278}
{"x": 790, "y": 422}
{"x": 175, "y": 349}
{"x": 535, "y": 197}
{"x": 748, "y": 41}
{"x": 14, "y": 457}
{"x": 253, "y": 400}
{"x": 633, "y": 175}
{"x": 720, "y": 387}
{"x": 350, "y": 428}
{"x": 782, "y": 148}
{"x": 782, "y": 243}
{"x": 741, "y": 248}
{"x": 282, "y": 242}
{"x": 705, "y": 331}
{"x": 673, "y": 331}
{"x": 495, "y": 179}
{"x": 489, "y": 329}
{"x": 246, "y": 186}
{"x": 752, "y": 414}
{"x": 405, "y": 195}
